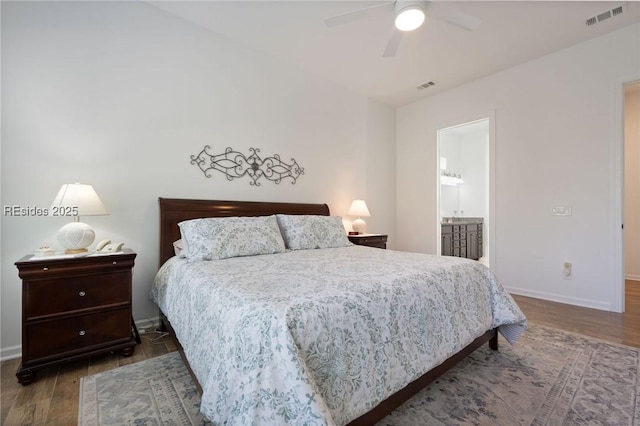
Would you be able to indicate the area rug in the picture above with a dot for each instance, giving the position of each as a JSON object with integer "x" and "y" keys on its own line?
{"x": 549, "y": 377}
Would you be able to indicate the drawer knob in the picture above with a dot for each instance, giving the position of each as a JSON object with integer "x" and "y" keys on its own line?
{"x": 45, "y": 269}
{"x": 82, "y": 332}
{"x": 114, "y": 262}
{"x": 81, "y": 293}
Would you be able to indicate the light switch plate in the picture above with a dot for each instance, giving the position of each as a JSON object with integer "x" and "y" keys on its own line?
{"x": 561, "y": 211}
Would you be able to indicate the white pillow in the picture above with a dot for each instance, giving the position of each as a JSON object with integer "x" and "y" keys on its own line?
{"x": 224, "y": 237}
{"x": 302, "y": 232}
{"x": 178, "y": 248}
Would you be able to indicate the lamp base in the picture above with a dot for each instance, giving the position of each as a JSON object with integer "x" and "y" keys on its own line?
{"x": 360, "y": 226}
{"x": 75, "y": 237}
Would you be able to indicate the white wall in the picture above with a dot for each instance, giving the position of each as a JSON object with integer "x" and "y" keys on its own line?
{"x": 554, "y": 127}
{"x": 474, "y": 192}
{"x": 467, "y": 154}
{"x": 632, "y": 184}
{"x": 120, "y": 94}
{"x": 449, "y": 150}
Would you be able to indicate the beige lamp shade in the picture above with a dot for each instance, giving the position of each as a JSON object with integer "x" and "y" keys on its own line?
{"x": 359, "y": 208}
{"x": 79, "y": 197}
{"x": 76, "y": 200}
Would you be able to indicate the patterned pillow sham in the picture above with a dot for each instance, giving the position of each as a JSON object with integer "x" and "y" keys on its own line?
{"x": 224, "y": 237}
{"x": 303, "y": 232}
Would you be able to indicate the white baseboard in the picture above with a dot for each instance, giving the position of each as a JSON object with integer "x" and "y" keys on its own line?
{"x": 586, "y": 303}
{"x": 145, "y": 325}
{"x": 11, "y": 353}
{"x": 632, "y": 277}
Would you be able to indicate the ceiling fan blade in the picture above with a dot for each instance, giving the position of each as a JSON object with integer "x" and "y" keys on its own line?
{"x": 452, "y": 15}
{"x": 392, "y": 44}
{"x": 358, "y": 14}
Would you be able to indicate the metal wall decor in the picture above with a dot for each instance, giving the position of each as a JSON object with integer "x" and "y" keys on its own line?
{"x": 235, "y": 165}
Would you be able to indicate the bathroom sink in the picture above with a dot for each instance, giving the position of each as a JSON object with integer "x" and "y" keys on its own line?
{"x": 459, "y": 219}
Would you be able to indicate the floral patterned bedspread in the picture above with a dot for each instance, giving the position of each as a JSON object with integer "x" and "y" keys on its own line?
{"x": 323, "y": 336}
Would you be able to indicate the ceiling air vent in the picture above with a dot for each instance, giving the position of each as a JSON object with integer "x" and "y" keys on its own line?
{"x": 617, "y": 11}
{"x": 426, "y": 85}
{"x": 605, "y": 15}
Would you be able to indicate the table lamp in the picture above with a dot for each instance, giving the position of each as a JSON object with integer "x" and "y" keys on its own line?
{"x": 76, "y": 200}
{"x": 359, "y": 208}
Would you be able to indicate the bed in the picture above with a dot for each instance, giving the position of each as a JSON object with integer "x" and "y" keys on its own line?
{"x": 333, "y": 335}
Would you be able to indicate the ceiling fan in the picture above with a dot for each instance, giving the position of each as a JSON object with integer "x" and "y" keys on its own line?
{"x": 409, "y": 15}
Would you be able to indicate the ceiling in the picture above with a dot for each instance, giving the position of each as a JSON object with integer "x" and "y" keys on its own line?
{"x": 511, "y": 33}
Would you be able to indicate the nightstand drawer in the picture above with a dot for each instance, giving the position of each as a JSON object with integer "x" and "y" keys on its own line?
{"x": 66, "y": 267}
{"x": 59, "y": 337}
{"x": 370, "y": 240}
{"x": 51, "y": 296}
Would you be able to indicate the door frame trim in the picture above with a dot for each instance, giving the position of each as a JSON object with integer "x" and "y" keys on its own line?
{"x": 616, "y": 185}
{"x": 491, "y": 223}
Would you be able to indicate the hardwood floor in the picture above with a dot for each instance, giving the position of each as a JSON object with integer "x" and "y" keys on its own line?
{"x": 618, "y": 328}
{"x": 52, "y": 399}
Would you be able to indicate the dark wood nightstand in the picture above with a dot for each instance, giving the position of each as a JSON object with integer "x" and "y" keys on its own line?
{"x": 371, "y": 240}
{"x": 74, "y": 307}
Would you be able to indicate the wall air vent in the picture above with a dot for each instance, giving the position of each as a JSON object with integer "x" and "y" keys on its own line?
{"x": 605, "y": 15}
{"x": 426, "y": 85}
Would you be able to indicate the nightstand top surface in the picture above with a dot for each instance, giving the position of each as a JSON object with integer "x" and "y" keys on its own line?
{"x": 30, "y": 258}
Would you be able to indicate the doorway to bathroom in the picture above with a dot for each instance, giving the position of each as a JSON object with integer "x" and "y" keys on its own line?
{"x": 465, "y": 196}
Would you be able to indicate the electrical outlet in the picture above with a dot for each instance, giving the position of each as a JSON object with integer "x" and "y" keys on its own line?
{"x": 567, "y": 271}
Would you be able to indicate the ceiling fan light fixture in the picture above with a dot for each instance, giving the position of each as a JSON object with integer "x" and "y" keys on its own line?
{"x": 409, "y": 15}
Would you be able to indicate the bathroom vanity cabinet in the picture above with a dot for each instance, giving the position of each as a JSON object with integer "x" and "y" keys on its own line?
{"x": 462, "y": 237}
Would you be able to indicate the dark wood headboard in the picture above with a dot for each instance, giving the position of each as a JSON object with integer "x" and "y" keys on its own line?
{"x": 175, "y": 210}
